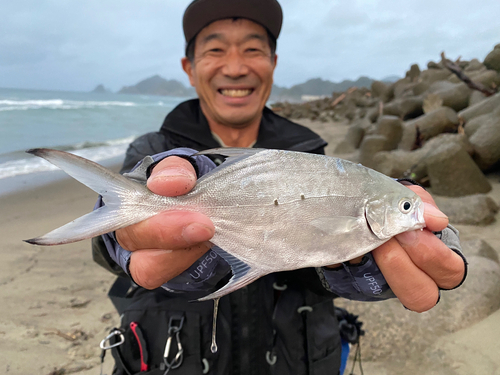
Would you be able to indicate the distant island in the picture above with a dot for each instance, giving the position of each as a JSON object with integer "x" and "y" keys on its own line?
{"x": 100, "y": 89}
{"x": 157, "y": 85}
{"x": 313, "y": 88}
{"x": 316, "y": 87}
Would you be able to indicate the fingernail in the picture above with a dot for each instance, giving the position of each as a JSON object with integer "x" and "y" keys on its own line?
{"x": 431, "y": 210}
{"x": 196, "y": 233}
{"x": 407, "y": 238}
{"x": 172, "y": 173}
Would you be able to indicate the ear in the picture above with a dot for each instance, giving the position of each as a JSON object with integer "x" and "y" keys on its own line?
{"x": 187, "y": 66}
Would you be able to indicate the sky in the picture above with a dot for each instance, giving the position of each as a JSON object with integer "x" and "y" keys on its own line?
{"x": 75, "y": 45}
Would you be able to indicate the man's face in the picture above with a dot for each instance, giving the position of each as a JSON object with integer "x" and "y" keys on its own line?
{"x": 232, "y": 71}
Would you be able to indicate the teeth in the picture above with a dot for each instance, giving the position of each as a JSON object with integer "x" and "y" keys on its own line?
{"x": 236, "y": 93}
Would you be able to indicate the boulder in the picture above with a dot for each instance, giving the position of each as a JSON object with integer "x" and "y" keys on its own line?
{"x": 370, "y": 145}
{"x": 432, "y": 102}
{"x": 486, "y": 106}
{"x": 391, "y": 127}
{"x": 456, "y": 96}
{"x": 441, "y": 120}
{"x": 439, "y": 86}
{"x": 404, "y": 108}
{"x": 373, "y": 114}
{"x": 453, "y": 173}
{"x": 492, "y": 60}
{"x": 476, "y": 97}
{"x": 352, "y": 140}
{"x": 479, "y": 247}
{"x": 484, "y": 76}
{"x": 402, "y": 86}
{"x": 401, "y": 164}
{"x": 433, "y": 75}
{"x": 434, "y": 65}
{"x": 421, "y": 87}
{"x": 392, "y": 332}
{"x": 412, "y": 164}
{"x": 477, "y": 209}
{"x": 473, "y": 125}
{"x": 379, "y": 89}
{"x": 413, "y": 73}
{"x": 474, "y": 65}
{"x": 488, "y": 78}
{"x": 486, "y": 143}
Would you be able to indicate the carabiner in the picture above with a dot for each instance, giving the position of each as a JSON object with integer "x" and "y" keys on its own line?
{"x": 174, "y": 330}
{"x": 179, "y": 356}
{"x": 115, "y": 332}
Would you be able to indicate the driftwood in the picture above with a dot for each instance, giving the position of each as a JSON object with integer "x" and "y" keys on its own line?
{"x": 455, "y": 69}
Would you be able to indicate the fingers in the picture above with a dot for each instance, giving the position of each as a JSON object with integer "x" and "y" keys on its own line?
{"x": 153, "y": 267}
{"x": 172, "y": 176}
{"x": 415, "y": 289}
{"x": 422, "y": 193}
{"x": 435, "y": 220}
{"x": 171, "y": 229}
{"x": 167, "y": 230}
{"x": 433, "y": 257}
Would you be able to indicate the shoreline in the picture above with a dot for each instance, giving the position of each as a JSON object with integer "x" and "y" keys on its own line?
{"x": 31, "y": 181}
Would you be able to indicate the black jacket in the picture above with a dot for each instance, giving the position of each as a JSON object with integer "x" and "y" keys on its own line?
{"x": 283, "y": 323}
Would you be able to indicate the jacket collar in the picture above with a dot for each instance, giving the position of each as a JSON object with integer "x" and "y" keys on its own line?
{"x": 188, "y": 120}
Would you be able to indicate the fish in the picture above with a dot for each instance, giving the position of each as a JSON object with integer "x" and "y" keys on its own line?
{"x": 273, "y": 210}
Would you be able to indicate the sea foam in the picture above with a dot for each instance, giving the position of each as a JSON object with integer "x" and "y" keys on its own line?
{"x": 23, "y": 105}
{"x": 94, "y": 152}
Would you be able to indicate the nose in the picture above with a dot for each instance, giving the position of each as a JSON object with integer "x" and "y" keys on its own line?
{"x": 235, "y": 65}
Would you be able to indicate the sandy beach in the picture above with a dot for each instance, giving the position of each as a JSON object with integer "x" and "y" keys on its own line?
{"x": 54, "y": 310}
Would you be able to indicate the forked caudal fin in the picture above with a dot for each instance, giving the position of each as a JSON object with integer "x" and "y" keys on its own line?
{"x": 113, "y": 187}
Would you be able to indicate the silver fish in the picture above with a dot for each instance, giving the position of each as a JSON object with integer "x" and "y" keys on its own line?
{"x": 273, "y": 210}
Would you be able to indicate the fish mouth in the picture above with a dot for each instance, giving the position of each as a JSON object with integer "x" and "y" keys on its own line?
{"x": 236, "y": 93}
{"x": 418, "y": 216}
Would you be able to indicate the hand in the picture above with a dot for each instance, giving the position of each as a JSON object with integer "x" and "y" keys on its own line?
{"x": 166, "y": 244}
{"x": 416, "y": 263}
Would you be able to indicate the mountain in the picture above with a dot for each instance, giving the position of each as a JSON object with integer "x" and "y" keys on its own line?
{"x": 157, "y": 85}
{"x": 390, "y": 79}
{"x": 317, "y": 87}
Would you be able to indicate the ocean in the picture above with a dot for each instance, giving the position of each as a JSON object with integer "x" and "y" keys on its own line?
{"x": 93, "y": 125}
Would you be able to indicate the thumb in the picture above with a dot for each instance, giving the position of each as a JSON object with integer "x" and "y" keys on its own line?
{"x": 172, "y": 176}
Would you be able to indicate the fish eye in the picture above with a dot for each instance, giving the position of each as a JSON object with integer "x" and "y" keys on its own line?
{"x": 405, "y": 206}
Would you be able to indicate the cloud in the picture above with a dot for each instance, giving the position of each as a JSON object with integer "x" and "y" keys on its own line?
{"x": 76, "y": 45}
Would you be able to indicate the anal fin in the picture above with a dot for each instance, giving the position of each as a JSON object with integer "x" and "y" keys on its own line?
{"x": 243, "y": 274}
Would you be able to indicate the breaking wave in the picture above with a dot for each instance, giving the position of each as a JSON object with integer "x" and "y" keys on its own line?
{"x": 22, "y": 163}
{"x": 24, "y": 105}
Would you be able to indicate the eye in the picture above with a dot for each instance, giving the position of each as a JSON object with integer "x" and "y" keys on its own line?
{"x": 405, "y": 206}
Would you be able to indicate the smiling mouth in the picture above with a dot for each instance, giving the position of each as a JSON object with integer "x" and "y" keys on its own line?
{"x": 239, "y": 93}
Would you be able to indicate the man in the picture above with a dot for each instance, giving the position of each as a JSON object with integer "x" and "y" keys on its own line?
{"x": 282, "y": 323}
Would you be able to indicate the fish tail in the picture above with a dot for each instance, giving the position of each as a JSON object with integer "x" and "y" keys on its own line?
{"x": 114, "y": 188}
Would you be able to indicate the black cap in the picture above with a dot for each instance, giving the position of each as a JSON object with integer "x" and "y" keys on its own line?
{"x": 201, "y": 13}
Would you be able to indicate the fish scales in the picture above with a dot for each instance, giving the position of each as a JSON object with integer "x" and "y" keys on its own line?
{"x": 243, "y": 213}
{"x": 279, "y": 210}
